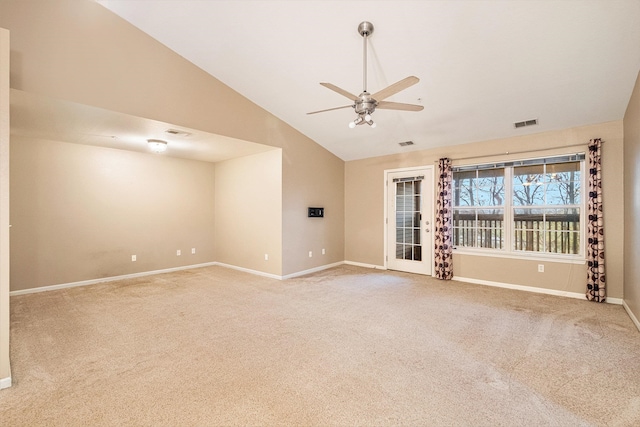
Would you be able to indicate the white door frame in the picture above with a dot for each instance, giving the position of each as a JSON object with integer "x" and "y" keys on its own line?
{"x": 429, "y": 171}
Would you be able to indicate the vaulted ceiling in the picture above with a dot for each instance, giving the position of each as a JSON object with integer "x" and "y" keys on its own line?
{"x": 482, "y": 65}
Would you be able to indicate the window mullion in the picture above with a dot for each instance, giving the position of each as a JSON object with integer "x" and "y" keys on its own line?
{"x": 508, "y": 208}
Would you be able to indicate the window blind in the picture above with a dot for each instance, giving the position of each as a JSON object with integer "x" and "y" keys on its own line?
{"x": 530, "y": 162}
{"x": 409, "y": 178}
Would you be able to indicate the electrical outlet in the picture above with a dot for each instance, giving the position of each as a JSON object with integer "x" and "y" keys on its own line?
{"x": 193, "y": 250}
{"x": 266, "y": 257}
{"x": 133, "y": 258}
{"x": 178, "y": 252}
{"x": 310, "y": 254}
{"x": 323, "y": 251}
{"x": 540, "y": 268}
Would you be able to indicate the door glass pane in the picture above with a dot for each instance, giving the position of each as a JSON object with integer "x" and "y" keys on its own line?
{"x": 408, "y": 235}
{"x": 399, "y": 251}
{"x": 408, "y": 207}
{"x": 408, "y": 189}
{"x": 416, "y": 219}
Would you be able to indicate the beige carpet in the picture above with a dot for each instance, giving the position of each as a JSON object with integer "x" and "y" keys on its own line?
{"x": 346, "y": 346}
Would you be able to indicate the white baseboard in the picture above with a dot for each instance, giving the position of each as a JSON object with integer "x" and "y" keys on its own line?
{"x": 248, "y": 270}
{"x": 360, "y": 264}
{"x": 312, "y": 270}
{"x": 5, "y": 382}
{"x": 633, "y": 317}
{"x": 169, "y": 270}
{"x": 106, "y": 279}
{"x": 576, "y": 295}
{"x": 275, "y": 276}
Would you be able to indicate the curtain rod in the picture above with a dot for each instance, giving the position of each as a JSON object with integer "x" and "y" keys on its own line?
{"x": 515, "y": 152}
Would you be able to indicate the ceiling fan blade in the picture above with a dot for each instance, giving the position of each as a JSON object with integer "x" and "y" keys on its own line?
{"x": 395, "y": 88}
{"x": 331, "y": 109}
{"x": 340, "y": 91}
{"x": 386, "y": 105}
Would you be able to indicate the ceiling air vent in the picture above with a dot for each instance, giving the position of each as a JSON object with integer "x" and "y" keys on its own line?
{"x": 404, "y": 144}
{"x": 525, "y": 123}
{"x": 177, "y": 132}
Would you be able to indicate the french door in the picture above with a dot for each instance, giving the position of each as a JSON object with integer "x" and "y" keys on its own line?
{"x": 409, "y": 220}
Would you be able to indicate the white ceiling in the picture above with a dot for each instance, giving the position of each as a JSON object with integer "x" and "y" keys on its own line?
{"x": 483, "y": 65}
{"x": 36, "y": 116}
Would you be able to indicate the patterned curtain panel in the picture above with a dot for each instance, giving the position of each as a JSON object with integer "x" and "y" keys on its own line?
{"x": 596, "y": 289}
{"x": 443, "y": 227}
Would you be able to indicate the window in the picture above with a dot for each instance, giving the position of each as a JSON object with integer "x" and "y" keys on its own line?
{"x": 478, "y": 214}
{"x": 531, "y": 206}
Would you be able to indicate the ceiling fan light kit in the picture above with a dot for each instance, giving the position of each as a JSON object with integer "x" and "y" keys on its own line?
{"x": 365, "y": 104}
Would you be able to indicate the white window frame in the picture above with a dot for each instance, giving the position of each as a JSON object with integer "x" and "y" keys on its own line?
{"x": 509, "y": 223}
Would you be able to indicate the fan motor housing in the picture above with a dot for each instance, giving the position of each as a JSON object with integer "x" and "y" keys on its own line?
{"x": 365, "y": 104}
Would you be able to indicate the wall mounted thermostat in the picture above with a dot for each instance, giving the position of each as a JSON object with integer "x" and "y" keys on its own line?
{"x": 316, "y": 213}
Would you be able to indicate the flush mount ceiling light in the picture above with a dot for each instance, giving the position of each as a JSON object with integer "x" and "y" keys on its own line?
{"x": 157, "y": 145}
{"x": 365, "y": 104}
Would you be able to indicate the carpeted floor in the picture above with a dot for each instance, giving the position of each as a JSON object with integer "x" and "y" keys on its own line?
{"x": 346, "y": 346}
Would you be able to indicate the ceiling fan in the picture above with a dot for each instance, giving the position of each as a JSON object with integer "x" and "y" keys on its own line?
{"x": 365, "y": 103}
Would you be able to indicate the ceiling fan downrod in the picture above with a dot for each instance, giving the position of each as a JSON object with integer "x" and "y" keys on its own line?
{"x": 366, "y": 105}
{"x": 365, "y": 29}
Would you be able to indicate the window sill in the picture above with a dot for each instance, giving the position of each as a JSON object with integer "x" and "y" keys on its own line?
{"x": 565, "y": 259}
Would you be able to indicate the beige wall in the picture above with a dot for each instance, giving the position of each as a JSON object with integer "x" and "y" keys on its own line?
{"x": 312, "y": 178}
{"x": 80, "y": 212}
{"x": 248, "y": 213}
{"x": 632, "y": 202}
{"x": 5, "y": 370}
{"x": 364, "y": 195}
{"x": 79, "y": 51}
